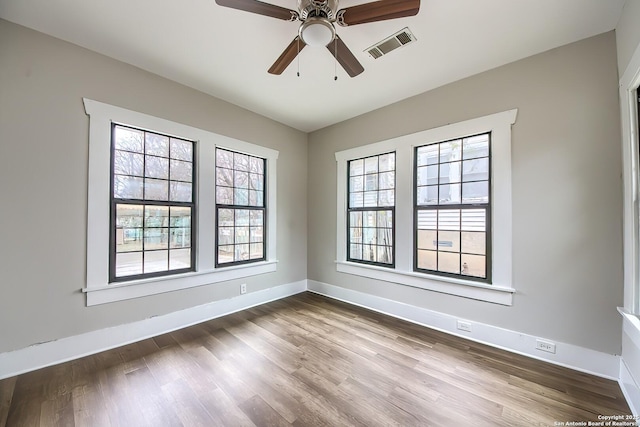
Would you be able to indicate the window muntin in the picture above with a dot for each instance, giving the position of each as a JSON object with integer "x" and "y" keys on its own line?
{"x": 240, "y": 208}
{"x": 452, "y": 208}
{"x": 152, "y": 204}
{"x": 371, "y": 210}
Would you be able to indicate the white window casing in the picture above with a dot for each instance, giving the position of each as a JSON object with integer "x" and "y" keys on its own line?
{"x": 501, "y": 289}
{"x": 98, "y": 289}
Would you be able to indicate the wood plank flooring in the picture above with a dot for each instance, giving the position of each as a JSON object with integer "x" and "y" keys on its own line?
{"x": 306, "y": 361}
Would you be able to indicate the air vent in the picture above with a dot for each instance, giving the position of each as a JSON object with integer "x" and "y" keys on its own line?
{"x": 399, "y": 39}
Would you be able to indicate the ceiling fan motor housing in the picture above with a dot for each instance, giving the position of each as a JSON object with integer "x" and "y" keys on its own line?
{"x": 318, "y": 9}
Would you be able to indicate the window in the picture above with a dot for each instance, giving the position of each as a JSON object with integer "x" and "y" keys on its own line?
{"x": 371, "y": 201}
{"x": 450, "y": 221}
{"x": 152, "y": 215}
{"x": 240, "y": 208}
{"x": 151, "y": 204}
{"x": 452, "y": 207}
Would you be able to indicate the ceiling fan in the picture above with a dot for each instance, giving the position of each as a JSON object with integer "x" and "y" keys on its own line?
{"x": 317, "y": 29}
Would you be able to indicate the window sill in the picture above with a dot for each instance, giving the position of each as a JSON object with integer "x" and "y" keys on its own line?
{"x": 103, "y": 294}
{"x": 463, "y": 288}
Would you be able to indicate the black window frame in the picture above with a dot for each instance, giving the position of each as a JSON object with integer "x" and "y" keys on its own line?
{"x": 487, "y": 207}
{"x": 114, "y": 202}
{"x": 376, "y": 209}
{"x": 239, "y": 207}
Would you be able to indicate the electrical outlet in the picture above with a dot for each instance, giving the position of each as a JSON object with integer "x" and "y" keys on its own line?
{"x": 547, "y": 346}
{"x": 243, "y": 288}
{"x": 463, "y": 326}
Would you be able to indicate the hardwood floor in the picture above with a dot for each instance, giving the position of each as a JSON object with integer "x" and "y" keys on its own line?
{"x": 306, "y": 361}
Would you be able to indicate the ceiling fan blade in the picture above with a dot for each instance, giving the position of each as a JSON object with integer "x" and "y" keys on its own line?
{"x": 287, "y": 56}
{"x": 377, "y": 11}
{"x": 255, "y": 6}
{"x": 344, "y": 56}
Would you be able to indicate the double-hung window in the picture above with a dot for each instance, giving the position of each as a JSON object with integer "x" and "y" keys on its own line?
{"x": 453, "y": 207}
{"x": 371, "y": 209}
{"x": 152, "y": 204}
{"x": 443, "y": 223}
{"x": 171, "y": 206}
{"x": 240, "y": 208}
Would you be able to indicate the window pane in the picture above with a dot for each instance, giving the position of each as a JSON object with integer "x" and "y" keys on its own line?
{"x": 428, "y": 155}
{"x": 428, "y": 220}
{"x": 356, "y": 167}
{"x": 242, "y": 235}
{"x": 386, "y": 198}
{"x": 224, "y": 177}
{"x": 181, "y": 191}
{"x": 256, "y": 198}
{"x": 155, "y": 261}
{"x": 128, "y": 264}
{"x": 449, "y": 241}
{"x": 128, "y": 139}
{"x": 181, "y": 171}
{"x": 371, "y": 182}
{"x": 449, "y": 262}
{"x": 450, "y": 172}
{"x": 156, "y": 167}
{"x": 242, "y": 217}
{"x": 155, "y": 189}
{"x": 241, "y": 179}
{"x": 449, "y": 219}
{"x": 179, "y": 259}
{"x": 181, "y": 150}
{"x": 127, "y": 187}
{"x": 224, "y": 195}
{"x": 427, "y": 239}
{"x": 356, "y": 183}
{"x": 241, "y": 197}
{"x": 226, "y": 235}
{"x": 474, "y": 265}
{"x": 126, "y": 163}
{"x": 240, "y": 162}
{"x": 256, "y": 217}
{"x": 241, "y": 252}
{"x": 225, "y": 253}
{"x": 129, "y": 216}
{"x": 385, "y": 219}
{"x": 226, "y": 217}
{"x": 371, "y": 199}
{"x": 475, "y": 170}
{"x": 256, "y": 234}
{"x": 475, "y": 192}
{"x": 476, "y": 146}
{"x": 427, "y": 260}
{"x": 156, "y": 238}
{"x": 387, "y": 162}
{"x": 355, "y": 219}
{"x": 180, "y": 217}
{"x": 180, "y": 238}
{"x": 224, "y": 159}
{"x": 156, "y": 145}
{"x": 256, "y": 251}
{"x": 355, "y": 251}
{"x": 474, "y": 220}
{"x": 356, "y": 200}
{"x": 386, "y": 180}
{"x": 129, "y": 239}
{"x": 385, "y": 236}
{"x": 385, "y": 255}
{"x": 473, "y": 242}
{"x": 428, "y": 195}
{"x": 450, "y": 151}
{"x": 449, "y": 194}
{"x": 156, "y": 216}
{"x": 256, "y": 165}
{"x": 371, "y": 165}
{"x": 256, "y": 182}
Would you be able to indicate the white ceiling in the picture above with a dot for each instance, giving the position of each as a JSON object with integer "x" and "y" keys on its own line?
{"x": 226, "y": 52}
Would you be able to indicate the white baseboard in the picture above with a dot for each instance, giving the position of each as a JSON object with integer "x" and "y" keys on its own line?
{"x": 567, "y": 355}
{"x": 53, "y": 352}
{"x": 629, "y": 388}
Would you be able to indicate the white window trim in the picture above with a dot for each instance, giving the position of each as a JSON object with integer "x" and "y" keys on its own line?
{"x": 501, "y": 290}
{"x": 629, "y": 83}
{"x": 98, "y": 289}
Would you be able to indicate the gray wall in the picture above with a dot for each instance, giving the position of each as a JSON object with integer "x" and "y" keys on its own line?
{"x": 43, "y": 184}
{"x": 628, "y": 34}
{"x": 567, "y": 202}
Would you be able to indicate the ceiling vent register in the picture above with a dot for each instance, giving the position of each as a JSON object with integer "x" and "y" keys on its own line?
{"x": 399, "y": 39}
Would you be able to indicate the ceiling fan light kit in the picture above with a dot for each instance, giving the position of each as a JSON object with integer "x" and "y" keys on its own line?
{"x": 317, "y": 32}
{"x": 317, "y": 29}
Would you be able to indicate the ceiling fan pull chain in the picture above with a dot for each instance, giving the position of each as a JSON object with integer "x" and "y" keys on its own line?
{"x": 298, "y": 57}
{"x": 335, "y": 62}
